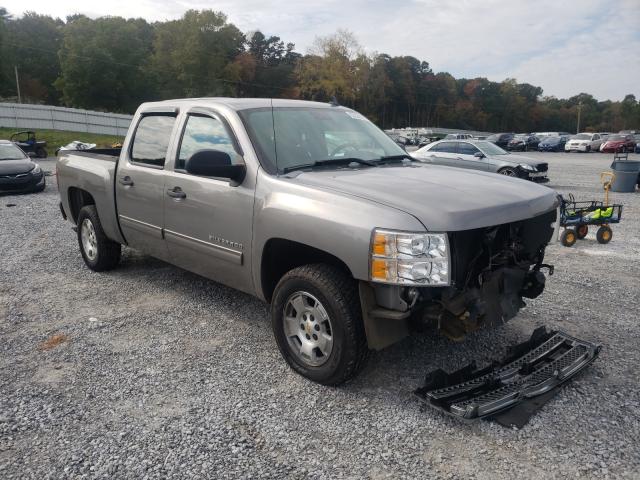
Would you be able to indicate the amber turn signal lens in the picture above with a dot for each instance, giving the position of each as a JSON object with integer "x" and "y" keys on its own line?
{"x": 379, "y": 244}
{"x": 379, "y": 269}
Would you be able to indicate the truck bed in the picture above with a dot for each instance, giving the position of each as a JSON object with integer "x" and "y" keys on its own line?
{"x": 90, "y": 172}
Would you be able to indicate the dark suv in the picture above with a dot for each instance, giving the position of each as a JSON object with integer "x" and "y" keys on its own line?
{"x": 501, "y": 139}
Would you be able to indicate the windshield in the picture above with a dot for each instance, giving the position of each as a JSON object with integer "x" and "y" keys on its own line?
{"x": 551, "y": 140}
{"x": 489, "y": 148}
{"x": 615, "y": 137}
{"x": 11, "y": 152}
{"x": 582, "y": 136}
{"x": 293, "y": 136}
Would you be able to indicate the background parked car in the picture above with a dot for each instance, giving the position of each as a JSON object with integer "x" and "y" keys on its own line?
{"x": 583, "y": 142}
{"x": 501, "y": 139}
{"x": 18, "y": 174}
{"x": 552, "y": 144}
{"x": 458, "y": 136}
{"x": 482, "y": 155}
{"x": 400, "y": 140}
{"x": 619, "y": 143}
{"x": 637, "y": 139}
{"x": 523, "y": 142}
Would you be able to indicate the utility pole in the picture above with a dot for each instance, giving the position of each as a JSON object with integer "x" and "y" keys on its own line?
{"x": 15, "y": 68}
{"x": 579, "y": 110}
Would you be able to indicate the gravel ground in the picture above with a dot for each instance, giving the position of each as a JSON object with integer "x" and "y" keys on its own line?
{"x": 158, "y": 373}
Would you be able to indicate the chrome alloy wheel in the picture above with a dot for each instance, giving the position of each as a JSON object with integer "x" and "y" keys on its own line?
{"x": 308, "y": 329}
{"x": 89, "y": 241}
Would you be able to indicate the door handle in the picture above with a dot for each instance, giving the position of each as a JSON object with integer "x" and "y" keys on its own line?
{"x": 126, "y": 181}
{"x": 176, "y": 192}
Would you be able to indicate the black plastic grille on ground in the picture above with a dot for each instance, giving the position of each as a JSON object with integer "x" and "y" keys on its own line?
{"x": 531, "y": 369}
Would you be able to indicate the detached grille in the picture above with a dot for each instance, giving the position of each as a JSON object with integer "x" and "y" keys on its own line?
{"x": 542, "y": 167}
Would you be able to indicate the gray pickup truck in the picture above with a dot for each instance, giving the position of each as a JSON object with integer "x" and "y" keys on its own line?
{"x": 313, "y": 209}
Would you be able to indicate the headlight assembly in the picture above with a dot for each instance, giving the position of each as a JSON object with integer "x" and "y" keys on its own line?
{"x": 37, "y": 170}
{"x": 526, "y": 167}
{"x": 408, "y": 258}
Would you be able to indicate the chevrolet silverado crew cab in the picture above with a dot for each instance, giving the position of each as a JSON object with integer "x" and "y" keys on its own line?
{"x": 313, "y": 209}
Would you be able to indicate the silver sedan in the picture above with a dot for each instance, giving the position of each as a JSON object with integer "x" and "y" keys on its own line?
{"x": 482, "y": 155}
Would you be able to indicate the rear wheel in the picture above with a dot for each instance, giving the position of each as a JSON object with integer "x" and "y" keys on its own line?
{"x": 568, "y": 237}
{"x": 41, "y": 153}
{"x": 581, "y": 231}
{"x": 98, "y": 251}
{"x": 317, "y": 323}
{"x": 604, "y": 234}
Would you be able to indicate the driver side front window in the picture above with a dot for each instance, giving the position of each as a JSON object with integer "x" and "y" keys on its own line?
{"x": 203, "y": 133}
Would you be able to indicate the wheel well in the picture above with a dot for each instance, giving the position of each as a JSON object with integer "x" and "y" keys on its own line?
{"x": 78, "y": 198}
{"x": 280, "y": 255}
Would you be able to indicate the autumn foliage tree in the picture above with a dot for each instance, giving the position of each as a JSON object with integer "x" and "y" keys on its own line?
{"x": 114, "y": 64}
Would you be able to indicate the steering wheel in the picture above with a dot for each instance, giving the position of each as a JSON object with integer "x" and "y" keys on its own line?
{"x": 340, "y": 148}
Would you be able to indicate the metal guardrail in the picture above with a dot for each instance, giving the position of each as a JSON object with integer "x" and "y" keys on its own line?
{"x": 25, "y": 116}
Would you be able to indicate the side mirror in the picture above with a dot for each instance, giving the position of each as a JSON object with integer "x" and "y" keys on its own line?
{"x": 478, "y": 155}
{"x": 214, "y": 163}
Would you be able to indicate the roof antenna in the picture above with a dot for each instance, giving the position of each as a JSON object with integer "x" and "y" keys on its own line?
{"x": 334, "y": 101}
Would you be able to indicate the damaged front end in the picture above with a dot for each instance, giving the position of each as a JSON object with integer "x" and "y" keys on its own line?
{"x": 492, "y": 269}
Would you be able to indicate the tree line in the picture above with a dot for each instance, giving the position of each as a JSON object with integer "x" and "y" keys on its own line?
{"x": 114, "y": 64}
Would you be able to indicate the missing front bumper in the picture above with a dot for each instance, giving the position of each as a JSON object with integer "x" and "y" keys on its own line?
{"x": 531, "y": 371}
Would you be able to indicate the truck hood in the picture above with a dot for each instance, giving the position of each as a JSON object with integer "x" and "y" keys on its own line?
{"x": 443, "y": 199}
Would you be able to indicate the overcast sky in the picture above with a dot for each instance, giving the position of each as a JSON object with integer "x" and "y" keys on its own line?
{"x": 566, "y": 48}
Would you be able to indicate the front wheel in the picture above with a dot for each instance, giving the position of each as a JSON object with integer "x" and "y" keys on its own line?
{"x": 509, "y": 172}
{"x": 98, "y": 251}
{"x": 317, "y": 323}
{"x": 604, "y": 234}
{"x": 568, "y": 237}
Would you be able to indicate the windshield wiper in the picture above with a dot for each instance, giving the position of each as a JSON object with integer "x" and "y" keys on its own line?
{"x": 391, "y": 158}
{"x": 329, "y": 162}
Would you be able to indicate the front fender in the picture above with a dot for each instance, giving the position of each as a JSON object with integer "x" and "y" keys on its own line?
{"x": 335, "y": 223}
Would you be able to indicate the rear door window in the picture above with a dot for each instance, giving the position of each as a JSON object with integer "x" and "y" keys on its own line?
{"x": 445, "y": 147}
{"x": 151, "y": 140}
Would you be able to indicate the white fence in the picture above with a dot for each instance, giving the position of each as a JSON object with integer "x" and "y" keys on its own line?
{"x": 22, "y": 116}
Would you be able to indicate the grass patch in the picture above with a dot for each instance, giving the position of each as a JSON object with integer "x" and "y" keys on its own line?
{"x": 58, "y": 138}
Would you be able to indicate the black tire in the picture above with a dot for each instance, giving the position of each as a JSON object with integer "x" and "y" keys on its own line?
{"x": 588, "y": 149}
{"x": 107, "y": 252}
{"x": 568, "y": 237}
{"x": 338, "y": 294}
{"x": 582, "y": 231}
{"x": 604, "y": 234}
{"x": 41, "y": 153}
